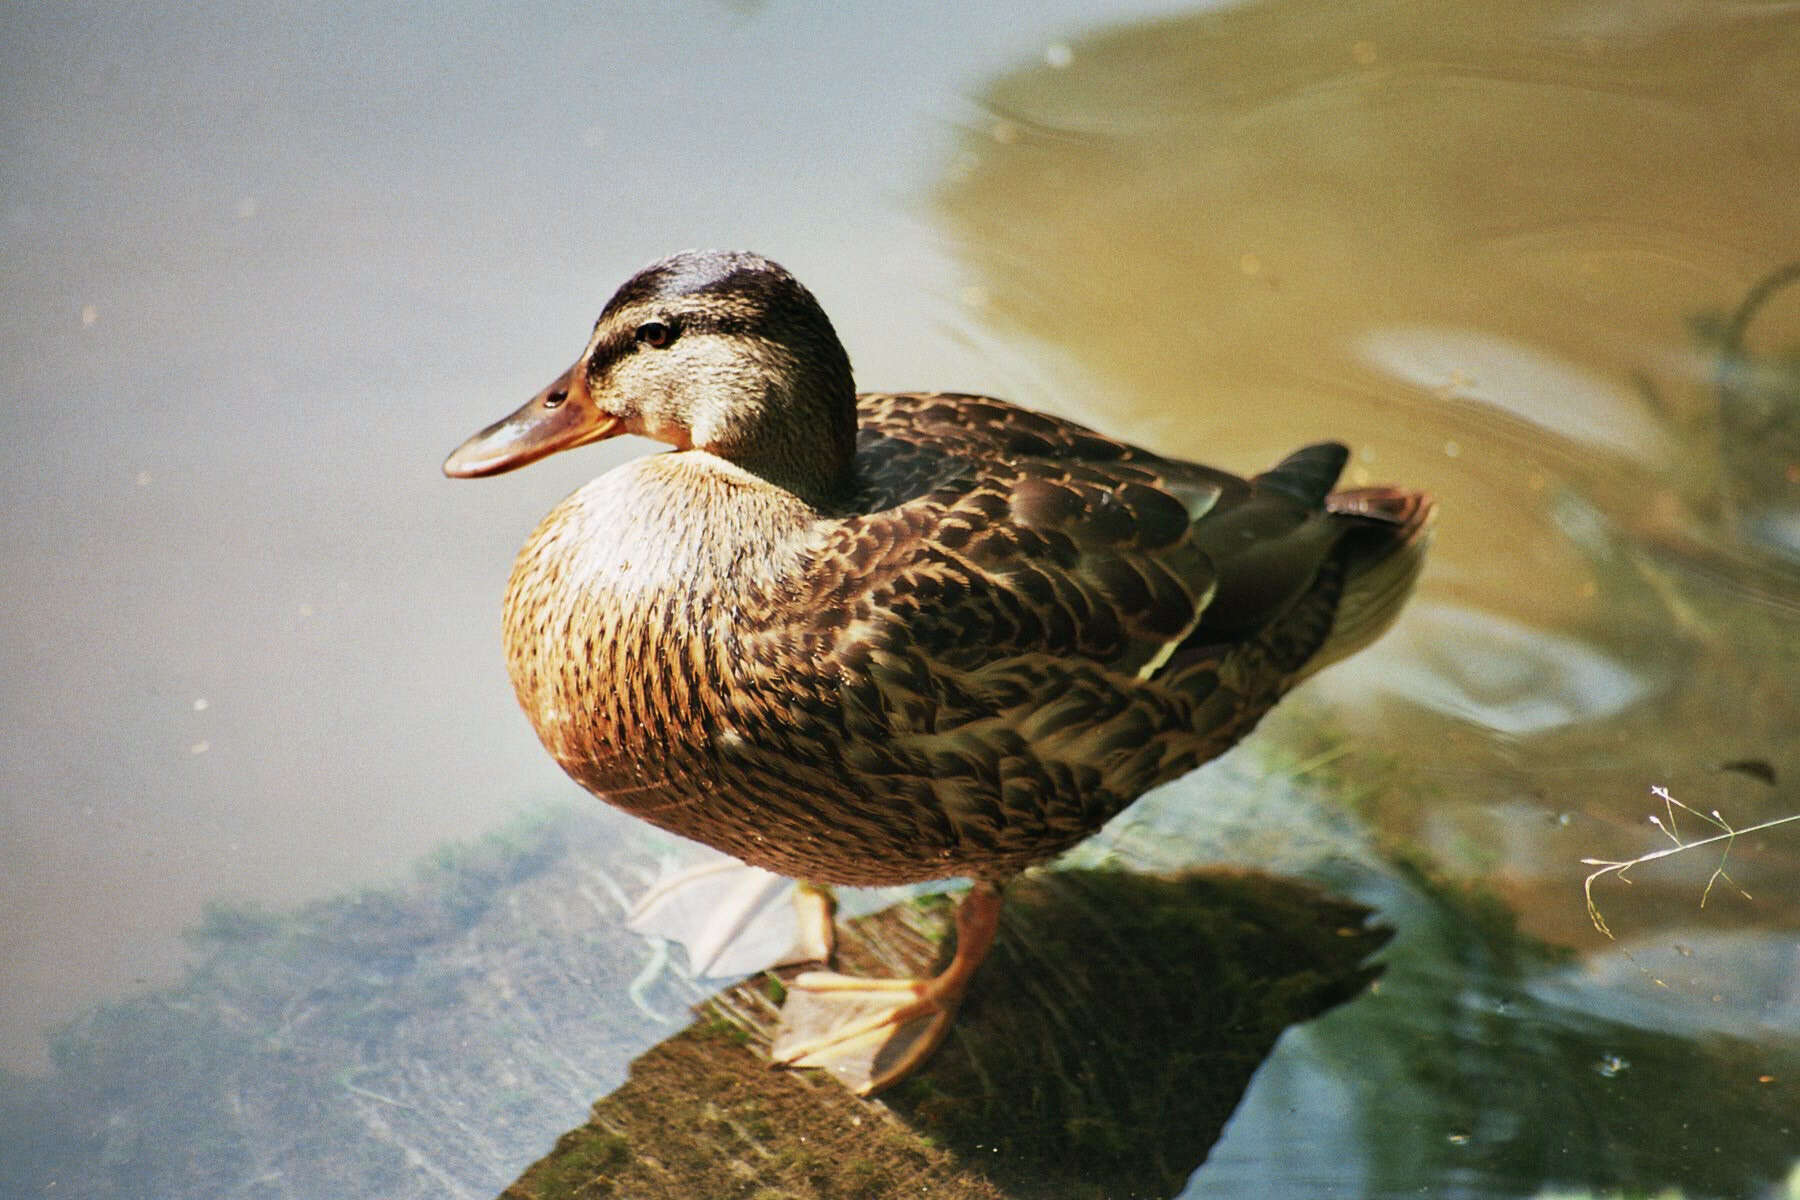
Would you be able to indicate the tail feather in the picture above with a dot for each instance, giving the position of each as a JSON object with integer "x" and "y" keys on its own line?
{"x": 1382, "y": 561}
{"x": 1308, "y": 473}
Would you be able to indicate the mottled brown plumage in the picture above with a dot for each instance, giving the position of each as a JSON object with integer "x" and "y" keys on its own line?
{"x": 886, "y": 638}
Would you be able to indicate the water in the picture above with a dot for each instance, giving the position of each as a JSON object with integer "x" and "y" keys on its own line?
{"x": 267, "y": 272}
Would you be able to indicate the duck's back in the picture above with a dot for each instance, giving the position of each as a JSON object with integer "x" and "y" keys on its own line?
{"x": 1014, "y": 628}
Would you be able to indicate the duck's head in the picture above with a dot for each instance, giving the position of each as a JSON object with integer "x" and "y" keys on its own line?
{"x": 706, "y": 350}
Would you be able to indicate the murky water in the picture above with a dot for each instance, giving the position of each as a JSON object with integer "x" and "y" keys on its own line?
{"x": 1510, "y": 253}
{"x": 1495, "y": 249}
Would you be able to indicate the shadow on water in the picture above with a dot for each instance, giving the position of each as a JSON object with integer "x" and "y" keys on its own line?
{"x": 1122, "y": 1021}
{"x": 1102, "y": 1049}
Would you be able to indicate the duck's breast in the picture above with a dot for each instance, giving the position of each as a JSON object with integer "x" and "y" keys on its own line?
{"x": 624, "y": 617}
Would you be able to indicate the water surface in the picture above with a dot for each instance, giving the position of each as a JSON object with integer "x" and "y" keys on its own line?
{"x": 266, "y": 272}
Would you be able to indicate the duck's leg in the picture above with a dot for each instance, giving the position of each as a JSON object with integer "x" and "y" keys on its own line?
{"x": 816, "y": 939}
{"x": 874, "y": 1032}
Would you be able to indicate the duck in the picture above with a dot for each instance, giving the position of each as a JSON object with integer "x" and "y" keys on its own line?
{"x": 884, "y": 638}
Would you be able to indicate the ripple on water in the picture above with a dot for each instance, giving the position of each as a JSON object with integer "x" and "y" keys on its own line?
{"x": 1501, "y": 674}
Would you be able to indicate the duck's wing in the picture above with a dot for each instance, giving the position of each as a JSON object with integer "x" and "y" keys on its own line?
{"x": 990, "y": 531}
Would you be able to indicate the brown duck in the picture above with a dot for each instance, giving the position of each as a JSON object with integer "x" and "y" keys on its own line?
{"x": 885, "y": 638}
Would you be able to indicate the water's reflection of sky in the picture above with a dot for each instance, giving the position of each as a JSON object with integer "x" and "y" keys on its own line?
{"x": 263, "y": 274}
{"x": 266, "y": 273}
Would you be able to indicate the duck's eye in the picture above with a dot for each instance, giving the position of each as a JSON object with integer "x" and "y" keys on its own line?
{"x": 655, "y": 334}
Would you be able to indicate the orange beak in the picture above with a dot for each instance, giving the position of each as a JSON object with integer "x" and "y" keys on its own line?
{"x": 560, "y": 417}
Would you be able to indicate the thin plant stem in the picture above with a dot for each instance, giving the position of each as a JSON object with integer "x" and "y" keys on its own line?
{"x": 1668, "y": 826}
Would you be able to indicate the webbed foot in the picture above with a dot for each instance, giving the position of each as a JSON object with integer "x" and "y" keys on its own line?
{"x": 872, "y": 1033}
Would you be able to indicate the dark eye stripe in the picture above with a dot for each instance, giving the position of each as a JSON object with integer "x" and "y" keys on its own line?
{"x": 620, "y": 342}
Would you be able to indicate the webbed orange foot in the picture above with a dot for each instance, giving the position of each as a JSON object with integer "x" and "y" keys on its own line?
{"x": 871, "y": 1033}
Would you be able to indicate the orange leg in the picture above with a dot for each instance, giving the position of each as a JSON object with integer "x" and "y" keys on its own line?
{"x": 874, "y": 1032}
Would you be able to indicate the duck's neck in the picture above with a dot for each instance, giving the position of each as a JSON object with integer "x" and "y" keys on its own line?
{"x": 802, "y": 440}
{"x": 685, "y": 524}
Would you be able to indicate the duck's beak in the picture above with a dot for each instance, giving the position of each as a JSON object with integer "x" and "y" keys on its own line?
{"x": 559, "y": 417}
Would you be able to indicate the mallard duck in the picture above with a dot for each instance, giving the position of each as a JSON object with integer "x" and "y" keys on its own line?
{"x": 886, "y": 638}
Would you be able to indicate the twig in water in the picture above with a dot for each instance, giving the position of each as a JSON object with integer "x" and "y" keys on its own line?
{"x": 1670, "y": 804}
